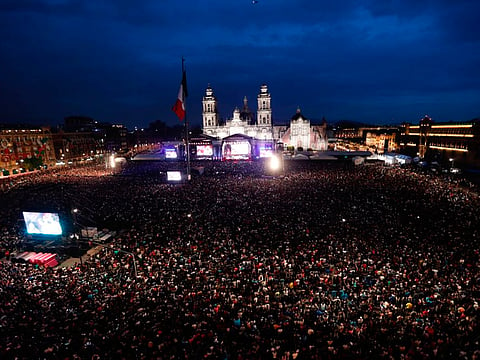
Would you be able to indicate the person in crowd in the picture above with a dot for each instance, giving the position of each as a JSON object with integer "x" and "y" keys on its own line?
{"x": 324, "y": 262}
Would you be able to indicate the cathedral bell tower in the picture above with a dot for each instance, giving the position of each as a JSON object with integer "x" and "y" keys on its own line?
{"x": 264, "y": 109}
{"x": 210, "y": 111}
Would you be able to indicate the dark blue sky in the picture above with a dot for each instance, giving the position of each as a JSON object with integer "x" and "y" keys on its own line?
{"x": 119, "y": 61}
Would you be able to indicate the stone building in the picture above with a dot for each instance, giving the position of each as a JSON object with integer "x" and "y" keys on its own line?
{"x": 258, "y": 128}
{"x": 25, "y": 149}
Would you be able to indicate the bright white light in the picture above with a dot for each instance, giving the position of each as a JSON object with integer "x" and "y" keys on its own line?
{"x": 275, "y": 163}
{"x": 170, "y": 153}
{"x": 112, "y": 161}
{"x": 174, "y": 176}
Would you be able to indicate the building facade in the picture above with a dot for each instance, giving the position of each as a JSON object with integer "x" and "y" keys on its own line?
{"x": 27, "y": 148}
{"x": 301, "y": 134}
{"x": 243, "y": 121}
{"x": 76, "y": 146}
{"x": 259, "y": 128}
{"x": 24, "y": 150}
{"x": 444, "y": 142}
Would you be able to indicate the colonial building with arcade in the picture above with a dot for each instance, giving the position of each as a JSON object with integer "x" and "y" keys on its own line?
{"x": 248, "y": 135}
{"x": 457, "y": 142}
{"x": 25, "y": 149}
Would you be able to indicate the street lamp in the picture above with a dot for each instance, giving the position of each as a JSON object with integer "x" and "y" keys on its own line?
{"x": 75, "y": 235}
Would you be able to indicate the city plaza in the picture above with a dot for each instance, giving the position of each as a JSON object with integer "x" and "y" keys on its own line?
{"x": 323, "y": 260}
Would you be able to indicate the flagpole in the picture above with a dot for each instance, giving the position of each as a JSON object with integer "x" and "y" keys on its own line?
{"x": 187, "y": 144}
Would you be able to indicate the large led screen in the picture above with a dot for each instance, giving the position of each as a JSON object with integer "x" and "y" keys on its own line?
{"x": 42, "y": 223}
{"x": 237, "y": 150}
{"x": 204, "y": 150}
{"x": 174, "y": 176}
{"x": 266, "y": 151}
{"x": 242, "y": 148}
{"x": 170, "y": 153}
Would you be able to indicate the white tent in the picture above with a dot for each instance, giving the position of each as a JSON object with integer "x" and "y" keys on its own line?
{"x": 393, "y": 158}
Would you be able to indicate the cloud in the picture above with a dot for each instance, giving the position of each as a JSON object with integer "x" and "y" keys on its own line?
{"x": 97, "y": 56}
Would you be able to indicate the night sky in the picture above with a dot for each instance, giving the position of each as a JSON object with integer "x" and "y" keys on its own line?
{"x": 119, "y": 61}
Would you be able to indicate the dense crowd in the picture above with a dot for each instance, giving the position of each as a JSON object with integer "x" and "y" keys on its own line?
{"x": 325, "y": 262}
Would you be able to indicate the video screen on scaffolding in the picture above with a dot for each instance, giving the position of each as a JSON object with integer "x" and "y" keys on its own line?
{"x": 204, "y": 150}
{"x": 170, "y": 153}
{"x": 266, "y": 150}
{"x": 237, "y": 150}
{"x": 42, "y": 223}
{"x": 174, "y": 176}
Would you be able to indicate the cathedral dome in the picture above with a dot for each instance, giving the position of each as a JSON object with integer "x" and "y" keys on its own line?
{"x": 298, "y": 115}
{"x": 246, "y": 114}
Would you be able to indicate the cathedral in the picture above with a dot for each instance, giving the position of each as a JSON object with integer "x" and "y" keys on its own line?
{"x": 259, "y": 130}
{"x": 243, "y": 121}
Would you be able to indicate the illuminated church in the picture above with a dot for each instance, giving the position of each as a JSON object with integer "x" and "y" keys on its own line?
{"x": 301, "y": 134}
{"x": 258, "y": 130}
{"x": 243, "y": 121}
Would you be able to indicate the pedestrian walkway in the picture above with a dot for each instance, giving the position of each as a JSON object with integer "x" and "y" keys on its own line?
{"x": 73, "y": 261}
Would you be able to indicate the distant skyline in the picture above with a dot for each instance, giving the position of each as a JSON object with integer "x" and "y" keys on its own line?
{"x": 118, "y": 61}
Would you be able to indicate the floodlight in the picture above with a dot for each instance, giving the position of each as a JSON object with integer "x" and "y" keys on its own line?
{"x": 275, "y": 163}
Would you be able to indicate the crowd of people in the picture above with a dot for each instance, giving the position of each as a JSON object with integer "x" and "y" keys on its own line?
{"x": 325, "y": 261}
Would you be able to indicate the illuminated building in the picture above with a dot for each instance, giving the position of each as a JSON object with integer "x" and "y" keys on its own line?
{"x": 76, "y": 146}
{"x": 301, "y": 134}
{"x": 23, "y": 150}
{"x": 442, "y": 141}
{"x": 381, "y": 141}
{"x": 378, "y": 139}
{"x": 243, "y": 121}
{"x": 259, "y": 130}
{"x": 244, "y": 136}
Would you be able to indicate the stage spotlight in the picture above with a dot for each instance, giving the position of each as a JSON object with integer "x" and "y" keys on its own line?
{"x": 112, "y": 161}
{"x": 275, "y": 163}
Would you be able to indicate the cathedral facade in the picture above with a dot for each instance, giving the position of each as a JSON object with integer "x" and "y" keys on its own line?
{"x": 243, "y": 121}
{"x": 260, "y": 128}
{"x": 301, "y": 134}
